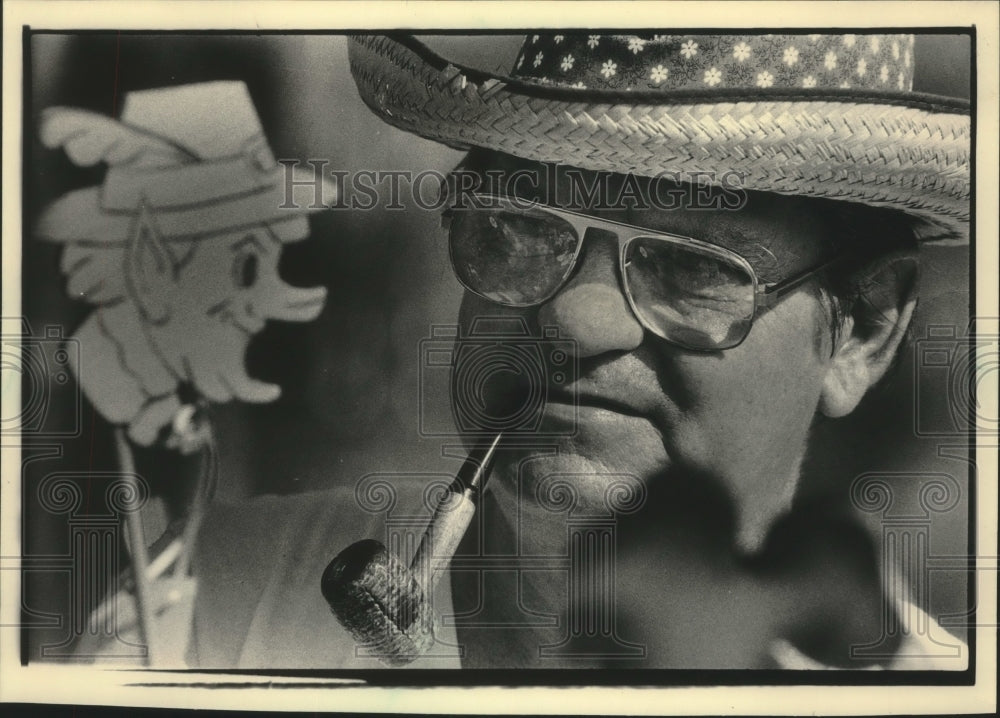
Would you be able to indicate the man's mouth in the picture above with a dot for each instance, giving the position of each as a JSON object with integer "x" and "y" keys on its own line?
{"x": 593, "y": 418}
{"x": 605, "y": 407}
{"x": 584, "y": 399}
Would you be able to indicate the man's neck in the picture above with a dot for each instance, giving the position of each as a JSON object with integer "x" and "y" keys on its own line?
{"x": 688, "y": 539}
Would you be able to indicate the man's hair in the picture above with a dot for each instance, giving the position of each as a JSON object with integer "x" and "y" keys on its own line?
{"x": 873, "y": 240}
{"x": 867, "y": 236}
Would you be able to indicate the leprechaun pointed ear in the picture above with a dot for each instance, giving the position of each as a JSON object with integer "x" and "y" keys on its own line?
{"x": 150, "y": 269}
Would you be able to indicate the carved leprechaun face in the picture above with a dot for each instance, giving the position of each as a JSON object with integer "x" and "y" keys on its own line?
{"x": 202, "y": 309}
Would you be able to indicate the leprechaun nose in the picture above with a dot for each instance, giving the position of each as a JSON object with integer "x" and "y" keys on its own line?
{"x": 297, "y": 304}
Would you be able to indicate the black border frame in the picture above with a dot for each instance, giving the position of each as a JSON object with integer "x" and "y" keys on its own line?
{"x": 430, "y": 678}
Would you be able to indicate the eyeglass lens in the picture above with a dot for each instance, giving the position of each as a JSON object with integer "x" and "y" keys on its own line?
{"x": 514, "y": 257}
{"x": 694, "y": 297}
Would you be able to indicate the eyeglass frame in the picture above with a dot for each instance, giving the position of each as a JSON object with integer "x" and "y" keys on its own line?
{"x": 765, "y": 294}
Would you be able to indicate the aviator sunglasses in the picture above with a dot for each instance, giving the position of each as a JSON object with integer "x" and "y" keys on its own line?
{"x": 689, "y": 292}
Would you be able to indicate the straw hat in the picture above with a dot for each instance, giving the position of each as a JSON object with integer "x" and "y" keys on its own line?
{"x": 821, "y": 115}
{"x": 194, "y": 155}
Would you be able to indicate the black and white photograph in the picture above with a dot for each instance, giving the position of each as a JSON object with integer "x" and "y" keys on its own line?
{"x": 355, "y": 349}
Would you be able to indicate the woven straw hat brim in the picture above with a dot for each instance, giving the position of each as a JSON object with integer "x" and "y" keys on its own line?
{"x": 904, "y": 151}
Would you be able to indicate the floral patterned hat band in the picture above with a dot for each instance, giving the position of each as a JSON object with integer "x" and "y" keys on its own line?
{"x": 701, "y": 62}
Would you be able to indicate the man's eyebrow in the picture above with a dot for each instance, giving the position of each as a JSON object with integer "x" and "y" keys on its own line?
{"x": 748, "y": 244}
{"x": 734, "y": 238}
{"x": 757, "y": 254}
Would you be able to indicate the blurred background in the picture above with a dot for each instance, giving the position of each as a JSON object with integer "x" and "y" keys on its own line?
{"x": 351, "y": 378}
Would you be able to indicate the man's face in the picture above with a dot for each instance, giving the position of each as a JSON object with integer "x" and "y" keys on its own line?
{"x": 651, "y": 409}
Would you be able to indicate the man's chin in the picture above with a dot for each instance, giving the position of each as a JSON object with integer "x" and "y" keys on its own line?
{"x": 535, "y": 491}
{"x": 548, "y": 474}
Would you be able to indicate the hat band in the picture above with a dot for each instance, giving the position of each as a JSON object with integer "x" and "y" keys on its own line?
{"x": 185, "y": 187}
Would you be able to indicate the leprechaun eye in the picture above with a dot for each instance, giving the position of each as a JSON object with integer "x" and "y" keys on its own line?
{"x": 245, "y": 265}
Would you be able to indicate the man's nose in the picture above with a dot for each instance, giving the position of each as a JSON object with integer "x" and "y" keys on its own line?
{"x": 591, "y": 309}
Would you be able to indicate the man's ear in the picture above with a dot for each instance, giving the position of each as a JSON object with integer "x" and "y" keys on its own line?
{"x": 872, "y": 333}
{"x": 150, "y": 269}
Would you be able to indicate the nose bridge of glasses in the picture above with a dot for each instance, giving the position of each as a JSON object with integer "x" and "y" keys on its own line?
{"x": 601, "y": 255}
{"x": 600, "y": 230}
{"x": 600, "y": 234}
{"x": 598, "y": 245}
